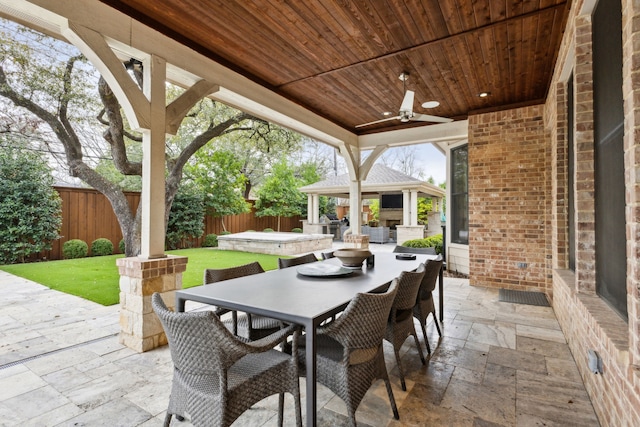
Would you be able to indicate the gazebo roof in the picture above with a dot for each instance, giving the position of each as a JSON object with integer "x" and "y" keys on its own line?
{"x": 381, "y": 179}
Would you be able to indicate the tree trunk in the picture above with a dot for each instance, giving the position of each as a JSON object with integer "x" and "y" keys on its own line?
{"x": 117, "y": 138}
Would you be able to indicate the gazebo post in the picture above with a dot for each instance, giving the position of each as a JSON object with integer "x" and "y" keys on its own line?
{"x": 406, "y": 202}
{"x": 414, "y": 208}
{"x": 355, "y": 239}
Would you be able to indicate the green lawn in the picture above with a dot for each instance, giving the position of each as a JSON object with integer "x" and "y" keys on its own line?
{"x": 96, "y": 278}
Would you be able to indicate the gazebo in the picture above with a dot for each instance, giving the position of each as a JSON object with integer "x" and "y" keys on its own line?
{"x": 398, "y": 194}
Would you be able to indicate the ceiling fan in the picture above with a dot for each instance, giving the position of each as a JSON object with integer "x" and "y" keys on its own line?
{"x": 406, "y": 113}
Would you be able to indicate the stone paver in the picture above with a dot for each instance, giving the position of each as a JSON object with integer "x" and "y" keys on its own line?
{"x": 496, "y": 364}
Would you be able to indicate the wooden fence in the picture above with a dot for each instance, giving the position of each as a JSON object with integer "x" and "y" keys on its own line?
{"x": 87, "y": 215}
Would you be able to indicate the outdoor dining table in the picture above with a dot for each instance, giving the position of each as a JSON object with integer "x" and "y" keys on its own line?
{"x": 286, "y": 295}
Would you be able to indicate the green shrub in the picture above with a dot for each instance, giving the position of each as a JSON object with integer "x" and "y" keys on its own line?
{"x": 186, "y": 218}
{"x": 296, "y": 230}
{"x": 224, "y": 233}
{"x": 75, "y": 248}
{"x": 268, "y": 230}
{"x": 101, "y": 247}
{"x": 210, "y": 241}
{"x": 30, "y": 208}
{"x": 436, "y": 242}
{"x": 250, "y": 231}
{"x": 416, "y": 243}
{"x": 429, "y": 242}
{"x": 121, "y": 246}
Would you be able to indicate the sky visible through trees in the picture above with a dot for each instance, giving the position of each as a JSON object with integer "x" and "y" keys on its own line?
{"x": 420, "y": 161}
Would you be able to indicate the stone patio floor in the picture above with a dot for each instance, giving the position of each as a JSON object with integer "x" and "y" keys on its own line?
{"x": 497, "y": 364}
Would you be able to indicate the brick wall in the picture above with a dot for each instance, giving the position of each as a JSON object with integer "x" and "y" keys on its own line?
{"x": 509, "y": 200}
{"x": 586, "y": 320}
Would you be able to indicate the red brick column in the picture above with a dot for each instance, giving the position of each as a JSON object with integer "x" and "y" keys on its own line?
{"x": 584, "y": 154}
{"x": 509, "y": 198}
{"x": 357, "y": 241}
{"x": 140, "y": 328}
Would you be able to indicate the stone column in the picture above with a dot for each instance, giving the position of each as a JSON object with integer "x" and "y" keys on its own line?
{"x": 434, "y": 225}
{"x": 309, "y": 209}
{"x": 140, "y": 328}
{"x": 409, "y": 232}
{"x": 356, "y": 241}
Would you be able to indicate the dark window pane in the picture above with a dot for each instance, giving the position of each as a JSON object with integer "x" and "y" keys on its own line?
{"x": 571, "y": 222}
{"x": 459, "y": 196}
{"x": 611, "y": 259}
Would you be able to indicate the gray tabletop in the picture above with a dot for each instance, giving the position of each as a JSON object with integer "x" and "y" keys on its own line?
{"x": 287, "y": 295}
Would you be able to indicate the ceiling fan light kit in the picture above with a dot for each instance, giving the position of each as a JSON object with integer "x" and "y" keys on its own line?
{"x": 406, "y": 113}
{"x": 430, "y": 104}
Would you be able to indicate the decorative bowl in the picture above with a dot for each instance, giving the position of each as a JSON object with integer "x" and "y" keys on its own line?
{"x": 352, "y": 257}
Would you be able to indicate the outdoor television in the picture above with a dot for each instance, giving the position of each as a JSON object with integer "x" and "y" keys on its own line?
{"x": 391, "y": 201}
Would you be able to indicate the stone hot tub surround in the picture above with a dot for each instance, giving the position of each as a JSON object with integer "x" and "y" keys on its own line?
{"x": 276, "y": 243}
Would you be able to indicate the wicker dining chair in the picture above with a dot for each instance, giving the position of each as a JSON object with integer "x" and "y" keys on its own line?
{"x": 327, "y": 255}
{"x": 290, "y": 262}
{"x": 250, "y": 326}
{"x": 400, "y": 323}
{"x": 408, "y": 250}
{"x": 349, "y": 350}
{"x": 425, "y": 303}
{"x": 217, "y": 376}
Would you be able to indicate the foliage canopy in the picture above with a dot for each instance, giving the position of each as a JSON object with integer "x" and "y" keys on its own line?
{"x": 279, "y": 195}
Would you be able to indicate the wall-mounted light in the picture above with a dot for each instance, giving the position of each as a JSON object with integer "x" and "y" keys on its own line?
{"x": 132, "y": 63}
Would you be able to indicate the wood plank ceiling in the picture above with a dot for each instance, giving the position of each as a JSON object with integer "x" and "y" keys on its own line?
{"x": 342, "y": 58}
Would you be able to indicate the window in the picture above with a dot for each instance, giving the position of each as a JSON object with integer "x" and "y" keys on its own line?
{"x": 571, "y": 209}
{"x": 611, "y": 255}
{"x": 459, "y": 196}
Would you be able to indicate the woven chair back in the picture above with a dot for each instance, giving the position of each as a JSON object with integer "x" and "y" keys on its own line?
{"x": 408, "y": 288}
{"x": 199, "y": 342}
{"x": 363, "y": 322}
{"x": 213, "y": 275}
{"x": 432, "y": 271}
{"x": 408, "y": 250}
{"x": 290, "y": 262}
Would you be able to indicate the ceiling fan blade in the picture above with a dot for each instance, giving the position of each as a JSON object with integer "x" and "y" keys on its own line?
{"x": 378, "y": 121}
{"x": 407, "y": 102}
{"x": 429, "y": 118}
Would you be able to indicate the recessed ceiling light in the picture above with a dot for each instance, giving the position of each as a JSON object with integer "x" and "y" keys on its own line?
{"x": 484, "y": 94}
{"x": 387, "y": 113}
{"x": 430, "y": 104}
